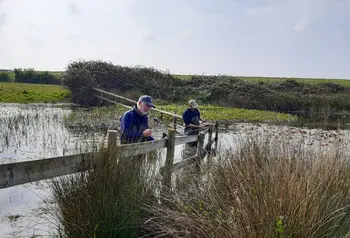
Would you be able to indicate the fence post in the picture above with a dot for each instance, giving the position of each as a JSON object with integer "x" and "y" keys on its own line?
{"x": 210, "y": 139}
{"x": 174, "y": 120}
{"x": 112, "y": 136}
{"x": 210, "y": 134}
{"x": 170, "y": 145}
{"x": 216, "y": 135}
{"x": 200, "y": 147}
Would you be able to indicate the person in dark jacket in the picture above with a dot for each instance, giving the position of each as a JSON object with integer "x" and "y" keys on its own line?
{"x": 192, "y": 119}
{"x": 134, "y": 123}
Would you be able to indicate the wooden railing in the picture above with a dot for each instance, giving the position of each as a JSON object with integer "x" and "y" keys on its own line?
{"x": 17, "y": 173}
{"x": 101, "y": 94}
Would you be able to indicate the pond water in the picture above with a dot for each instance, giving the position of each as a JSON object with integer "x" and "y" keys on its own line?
{"x": 30, "y": 132}
{"x": 35, "y": 131}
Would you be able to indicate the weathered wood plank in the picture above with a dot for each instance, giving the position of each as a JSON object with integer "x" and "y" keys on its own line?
{"x": 140, "y": 148}
{"x": 111, "y": 101}
{"x": 114, "y": 95}
{"x": 185, "y": 139}
{"x": 30, "y": 171}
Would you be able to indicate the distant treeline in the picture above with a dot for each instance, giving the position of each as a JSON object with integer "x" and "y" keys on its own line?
{"x": 29, "y": 76}
{"x": 283, "y": 96}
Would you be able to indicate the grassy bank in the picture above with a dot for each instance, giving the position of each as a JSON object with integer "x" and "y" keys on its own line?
{"x": 260, "y": 190}
{"x": 343, "y": 82}
{"x": 30, "y": 93}
{"x": 213, "y": 113}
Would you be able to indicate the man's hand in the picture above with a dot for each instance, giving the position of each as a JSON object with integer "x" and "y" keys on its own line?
{"x": 147, "y": 132}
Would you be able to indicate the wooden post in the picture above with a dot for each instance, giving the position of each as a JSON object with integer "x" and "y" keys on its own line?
{"x": 170, "y": 145}
{"x": 210, "y": 134}
{"x": 216, "y": 136}
{"x": 210, "y": 139}
{"x": 200, "y": 146}
{"x": 174, "y": 120}
{"x": 112, "y": 136}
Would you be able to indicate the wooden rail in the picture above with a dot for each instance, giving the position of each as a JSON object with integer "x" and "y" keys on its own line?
{"x": 17, "y": 173}
{"x": 132, "y": 101}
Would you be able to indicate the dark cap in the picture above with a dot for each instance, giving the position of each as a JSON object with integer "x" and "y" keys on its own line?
{"x": 147, "y": 100}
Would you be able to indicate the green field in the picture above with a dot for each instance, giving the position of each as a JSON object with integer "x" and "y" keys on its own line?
{"x": 344, "y": 82}
{"x": 30, "y": 93}
{"x": 212, "y": 113}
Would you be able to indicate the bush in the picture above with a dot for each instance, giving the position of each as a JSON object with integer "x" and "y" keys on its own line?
{"x": 31, "y": 76}
{"x": 4, "y": 77}
{"x": 81, "y": 76}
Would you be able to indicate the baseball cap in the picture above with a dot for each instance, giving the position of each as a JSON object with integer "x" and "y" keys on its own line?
{"x": 193, "y": 103}
{"x": 147, "y": 100}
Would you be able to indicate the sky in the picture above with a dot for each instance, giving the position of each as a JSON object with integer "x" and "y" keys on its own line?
{"x": 274, "y": 38}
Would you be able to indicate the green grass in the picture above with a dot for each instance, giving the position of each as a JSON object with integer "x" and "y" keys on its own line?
{"x": 30, "y": 93}
{"x": 211, "y": 113}
{"x": 343, "y": 82}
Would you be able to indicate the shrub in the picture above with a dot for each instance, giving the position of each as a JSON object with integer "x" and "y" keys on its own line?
{"x": 4, "y": 77}
{"x": 31, "y": 76}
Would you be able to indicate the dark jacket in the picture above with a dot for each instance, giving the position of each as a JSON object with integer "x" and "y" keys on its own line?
{"x": 191, "y": 117}
{"x": 132, "y": 125}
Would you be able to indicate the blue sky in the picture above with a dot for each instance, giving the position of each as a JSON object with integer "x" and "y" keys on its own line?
{"x": 290, "y": 38}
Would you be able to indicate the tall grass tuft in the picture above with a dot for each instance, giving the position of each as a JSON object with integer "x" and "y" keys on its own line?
{"x": 105, "y": 202}
{"x": 263, "y": 190}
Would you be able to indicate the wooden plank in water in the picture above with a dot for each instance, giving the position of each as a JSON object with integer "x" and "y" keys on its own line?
{"x": 31, "y": 171}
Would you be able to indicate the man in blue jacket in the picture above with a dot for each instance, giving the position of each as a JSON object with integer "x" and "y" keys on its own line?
{"x": 134, "y": 123}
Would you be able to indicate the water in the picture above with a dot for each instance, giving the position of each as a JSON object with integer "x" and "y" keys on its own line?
{"x": 30, "y": 132}
{"x": 36, "y": 131}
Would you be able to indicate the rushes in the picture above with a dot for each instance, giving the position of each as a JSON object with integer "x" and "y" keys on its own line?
{"x": 262, "y": 191}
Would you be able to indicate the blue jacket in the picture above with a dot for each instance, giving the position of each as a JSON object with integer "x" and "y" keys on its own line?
{"x": 132, "y": 125}
{"x": 191, "y": 117}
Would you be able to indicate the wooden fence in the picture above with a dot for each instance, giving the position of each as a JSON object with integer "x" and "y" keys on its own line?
{"x": 18, "y": 173}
